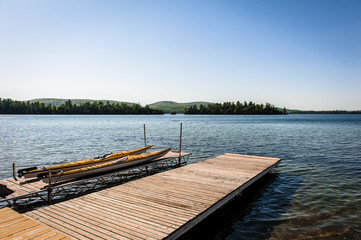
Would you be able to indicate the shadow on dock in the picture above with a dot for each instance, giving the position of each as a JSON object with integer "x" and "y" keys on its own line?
{"x": 5, "y": 191}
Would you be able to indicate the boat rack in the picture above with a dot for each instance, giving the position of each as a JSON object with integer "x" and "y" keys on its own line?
{"x": 41, "y": 194}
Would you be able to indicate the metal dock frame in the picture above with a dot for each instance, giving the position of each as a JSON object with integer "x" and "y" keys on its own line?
{"x": 61, "y": 191}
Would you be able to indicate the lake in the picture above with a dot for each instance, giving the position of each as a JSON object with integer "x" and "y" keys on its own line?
{"x": 314, "y": 193}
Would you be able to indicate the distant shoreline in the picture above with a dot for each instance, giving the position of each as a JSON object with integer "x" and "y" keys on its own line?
{"x": 51, "y": 106}
{"x": 325, "y": 112}
{"x": 169, "y": 114}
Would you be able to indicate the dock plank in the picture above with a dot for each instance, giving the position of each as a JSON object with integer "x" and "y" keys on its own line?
{"x": 53, "y": 224}
{"x": 145, "y": 218}
{"x": 119, "y": 219}
{"x": 107, "y": 230}
{"x": 182, "y": 195}
{"x": 172, "y": 201}
{"x": 110, "y": 221}
{"x": 18, "y": 226}
{"x": 16, "y": 190}
{"x": 163, "y": 215}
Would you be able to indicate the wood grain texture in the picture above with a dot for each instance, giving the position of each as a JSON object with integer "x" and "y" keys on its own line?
{"x": 17, "y": 226}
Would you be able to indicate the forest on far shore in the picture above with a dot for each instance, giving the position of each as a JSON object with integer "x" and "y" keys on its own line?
{"x": 89, "y": 106}
{"x": 8, "y": 106}
{"x": 235, "y": 108}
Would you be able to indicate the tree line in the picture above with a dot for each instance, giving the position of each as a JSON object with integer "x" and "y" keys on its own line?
{"x": 9, "y": 106}
{"x": 235, "y": 108}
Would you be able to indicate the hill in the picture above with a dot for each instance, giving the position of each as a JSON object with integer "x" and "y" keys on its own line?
{"x": 169, "y": 106}
{"x": 59, "y": 101}
{"x": 165, "y": 106}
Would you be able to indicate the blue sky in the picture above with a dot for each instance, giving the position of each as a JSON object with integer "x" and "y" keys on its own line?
{"x": 294, "y": 54}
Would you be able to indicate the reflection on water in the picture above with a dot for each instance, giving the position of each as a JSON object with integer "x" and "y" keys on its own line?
{"x": 313, "y": 194}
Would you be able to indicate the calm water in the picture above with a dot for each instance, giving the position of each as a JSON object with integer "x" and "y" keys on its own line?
{"x": 314, "y": 193}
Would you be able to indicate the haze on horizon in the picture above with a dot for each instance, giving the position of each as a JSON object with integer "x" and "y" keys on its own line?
{"x": 295, "y": 54}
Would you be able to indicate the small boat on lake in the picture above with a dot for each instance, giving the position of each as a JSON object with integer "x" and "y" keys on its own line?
{"x": 100, "y": 168}
{"x": 34, "y": 171}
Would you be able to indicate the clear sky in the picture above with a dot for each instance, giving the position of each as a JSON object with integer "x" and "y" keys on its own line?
{"x": 294, "y": 54}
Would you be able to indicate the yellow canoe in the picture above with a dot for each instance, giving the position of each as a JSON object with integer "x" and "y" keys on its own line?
{"x": 102, "y": 167}
{"x": 33, "y": 172}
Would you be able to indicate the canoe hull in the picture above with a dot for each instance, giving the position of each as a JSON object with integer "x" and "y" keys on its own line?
{"x": 96, "y": 171}
{"x": 87, "y": 163}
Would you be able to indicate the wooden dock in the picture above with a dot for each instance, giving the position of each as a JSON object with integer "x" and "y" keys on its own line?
{"x": 161, "y": 206}
{"x": 16, "y": 226}
{"x": 14, "y": 188}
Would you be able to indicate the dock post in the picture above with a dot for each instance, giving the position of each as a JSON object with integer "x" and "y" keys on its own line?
{"x": 49, "y": 188}
{"x": 180, "y": 146}
{"x": 145, "y": 137}
{"x": 14, "y": 172}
